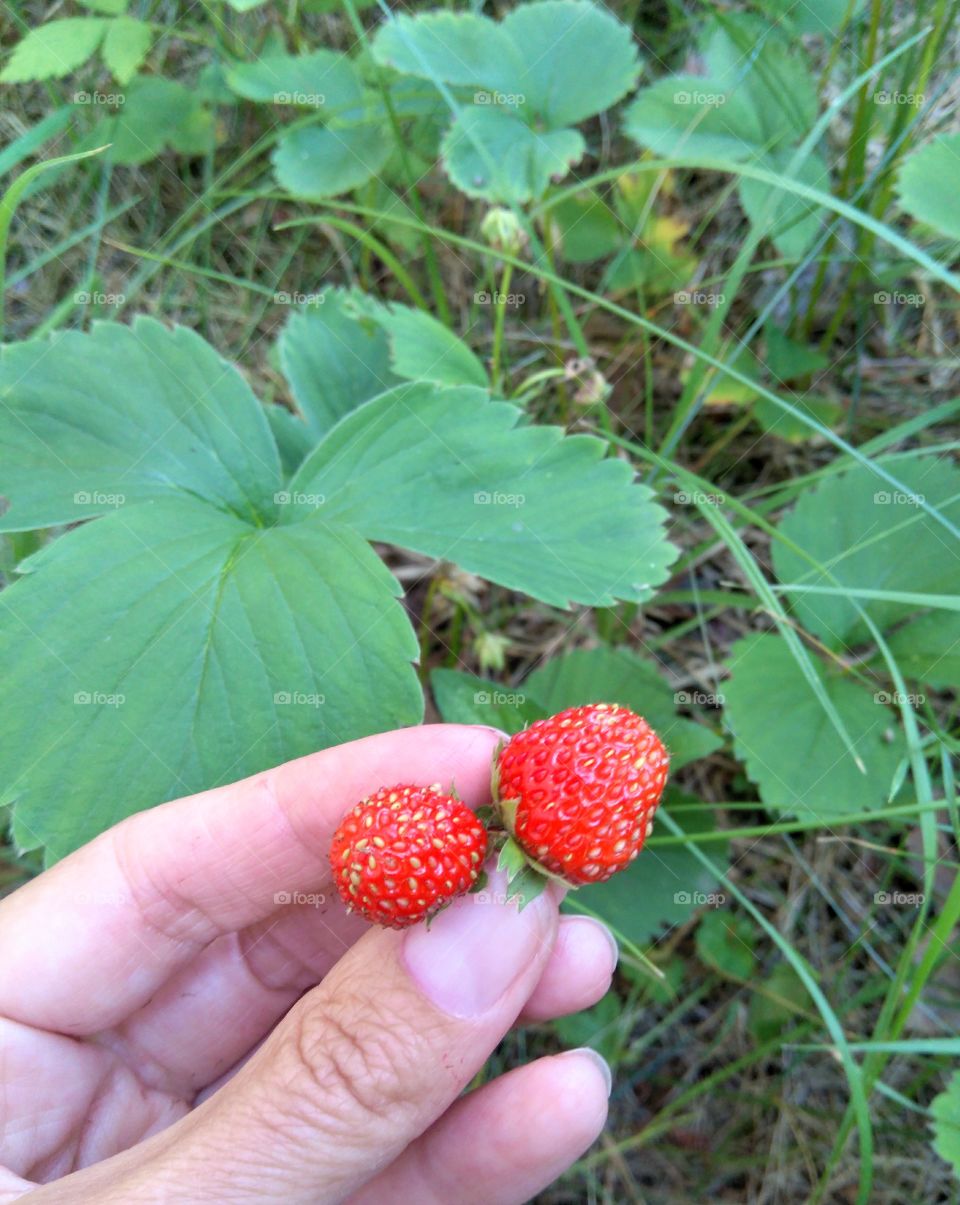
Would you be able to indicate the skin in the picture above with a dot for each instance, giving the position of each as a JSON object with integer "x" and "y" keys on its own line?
{"x": 177, "y": 1022}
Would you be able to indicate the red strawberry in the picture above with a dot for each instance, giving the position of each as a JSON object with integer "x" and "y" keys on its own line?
{"x": 405, "y": 851}
{"x": 578, "y": 790}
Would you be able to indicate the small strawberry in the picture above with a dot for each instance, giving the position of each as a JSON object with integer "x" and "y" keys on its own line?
{"x": 403, "y": 852}
{"x": 578, "y": 791}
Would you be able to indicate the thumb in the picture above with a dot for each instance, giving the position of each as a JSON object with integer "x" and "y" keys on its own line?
{"x": 366, "y": 1061}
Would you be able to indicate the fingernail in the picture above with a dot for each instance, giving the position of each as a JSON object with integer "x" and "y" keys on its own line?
{"x": 474, "y": 951}
{"x": 601, "y": 1064}
{"x": 598, "y": 929}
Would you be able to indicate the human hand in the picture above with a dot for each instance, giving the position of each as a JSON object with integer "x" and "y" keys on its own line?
{"x": 181, "y": 1017}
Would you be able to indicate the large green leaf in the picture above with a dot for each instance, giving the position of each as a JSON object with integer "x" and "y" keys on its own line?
{"x": 790, "y": 748}
{"x": 456, "y": 48}
{"x": 691, "y": 115}
{"x": 945, "y": 1121}
{"x": 793, "y": 223}
{"x": 125, "y": 47}
{"x": 929, "y": 184}
{"x": 171, "y": 646}
{"x": 449, "y": 473}
{"x": 92, "y": 422}
{"x": 321, "y": 79}
{"x": 492, "y": 153}
{"x": 321, "y": 161}
{"x": 333, "y": 361}
{"x": 866, "y": 534}
{"x": 464, "y": 699}
{"x": 157, "y": 114}
{"x": 927, "y": 649}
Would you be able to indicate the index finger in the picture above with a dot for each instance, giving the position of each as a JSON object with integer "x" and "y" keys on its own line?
{"x": 95, "y": 936}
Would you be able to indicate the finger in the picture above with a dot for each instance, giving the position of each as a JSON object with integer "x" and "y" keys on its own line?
{"x": 95, "y": 936}
{"x": 579, "y": 970}
{"x": 505, "y": 1142}
{"x": 358, "y": 1069}
{"x": 207, "y": 1016}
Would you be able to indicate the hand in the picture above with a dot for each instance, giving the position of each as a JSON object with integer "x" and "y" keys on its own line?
{"x": 188, "y": 1013}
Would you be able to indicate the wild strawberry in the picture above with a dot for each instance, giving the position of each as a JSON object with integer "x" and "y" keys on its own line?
{"x": 404, "y": 851}
{"x": 578, "y": 790}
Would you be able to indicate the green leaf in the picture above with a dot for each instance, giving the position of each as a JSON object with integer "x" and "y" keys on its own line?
{"x": 617, "y": 675}
{"x": 945, "y": 1116}
{"x": 786, "y": 359}
{"x": 319, "y": 80}
{"x": 927, "y": 649}
{"x": 812, "y": 16}
{"x": 791, "y": 223}
{"x": 929, "y": 184}
{"x": 322, "y": 161}
{"x": 333, "y": 362}
{"x": 464, "y": 699}
{"x": 598, "y": 1027}
{"x": 158, "y": 113}
{"x": 448, "y": 473}
{"x": 125, "y": 47}
{"x": 787, "y": 743}
{"x": 293, "y": 439}
{"x": 664, "y": 886}
{"x": 200, "y": 650}
{"x": 725, "y": 943}
{"x": 587, "y": 227}
{"x": 456, "y": 48}
{"x": 780, "y": 999}
{"x": 93, "y": 422}
{"x": 690, "y": 115}
{"x": 421, "y": 348}
{"x": 776, "y": 421}
{"x": 34, "y": 137}
{"x": 245, "y": 6}
{"x": 53, "y": 50}
{"x": 578, "y": 59}
{"x": 868, "y": 535}
{"x": 494, "y": 154}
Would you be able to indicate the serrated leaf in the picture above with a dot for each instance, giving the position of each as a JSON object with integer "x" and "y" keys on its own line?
{"x": 53, "y": 50}
{"x": 127, "y": 413}
{"x": 869, "y": 535}
{"x": 790, "y": 222}
{"x": 786, "y": 359}
{"x": 787, "y": 743}
{"x": 929, "y": 184}
{"x": 464, "y": 699}
{"x": 125, "y": 47}
{"x": 456, "y": 48}
{"x": 725, "y": 942}
{"x": 664, "y": 886}
{"x": 448, "y": 473}
{"x": 492, "y": 153}
{"x": 158, "y": 113}
{"x": 617, "y": 675}
{"x": 320, "y": 80}
{"x": 945, "y": 1120}
{"x": 690, "y": 115}
{"x": 421, "y": 347}
{"x": 333, "y": 362}
{"x": 201, "y": 650}
{"x": 578, "y": 58}
{"x": 322, "y": 161}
